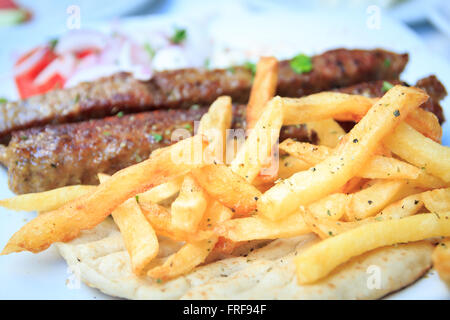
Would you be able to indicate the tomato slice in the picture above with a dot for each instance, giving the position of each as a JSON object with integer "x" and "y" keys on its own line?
{"x": 28, "y": 67}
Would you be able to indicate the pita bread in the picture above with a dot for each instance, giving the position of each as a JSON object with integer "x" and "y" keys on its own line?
{"x": 100, "y": 258}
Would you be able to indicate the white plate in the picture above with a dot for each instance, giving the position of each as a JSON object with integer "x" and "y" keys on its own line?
{"x": 45, "y": 275}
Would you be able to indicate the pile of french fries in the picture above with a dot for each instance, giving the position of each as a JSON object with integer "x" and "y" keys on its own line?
{"x": 387, "y": 181}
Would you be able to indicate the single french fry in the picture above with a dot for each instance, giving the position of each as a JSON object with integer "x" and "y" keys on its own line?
{"x": 331, "y": 207}
{"x": 350, "y": 157}
{"x": 328, "y": 131}
{"x": 228, "y": 188}
{"x": 162, "y": 192}
{"x": 214, "y": 125}
{"x": 378, "y": 167}
{"x": 253, "y": 228}
{"x": 184, "y": 260}
{"x": 195, "y": 253}
{"x": 263, "y": 89}
{"x": 161, "y": 220}
{"x": 437, "y": 200}
{"x": 405, "y": 207}
{"x": 47, "y": 200}
{"x": 290, "y": 165}
{"x": 441, "y": 260}
{"x": 325, "y": 105}
{"x": 322, "y": 258}
{"x": 65, "y": 223}
{"x": 190, "y": 205}
{"x": 368, "y": 202}
{"x": 257, "y": 149}
{"x": 137, "y": 233}
{"x": 426, "y": 123}
{"x": 415, "y": 148}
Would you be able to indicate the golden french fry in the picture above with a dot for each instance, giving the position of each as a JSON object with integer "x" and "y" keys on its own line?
{"x": 184, "y": 260}
{"x": 190, "y": 205}
{"x": 421, "y": 151}
{"x": 65, "y": 223}
{"x": 370, "y": 201}
{"x": 290, "y": 165}
{"x": 193, "y": 254}
{"x": 322, "y": 258}
{"x": 326, "y": 228}
{"x": 137, "y": 233}
{"x": 426, "y": 123}
{"x": 308, "y": 152}
{"x": 402, "y": 208}
{"x": 441, "y": 260}
{"x": 378, "y": 167}
{"x": 47, "y": 200}
{"x": 257, "y": 149}
{"x": 161, "y": 220}
{"x": 162, "y": 192}
{"x": 350, "y": 157}
{"x": 214, "y": 125}
{"x": 324, "y": 105}
{"x": 437, "y": 200}
{"x": 331, "y": 207}
{"x": 253, "y": 228}
{"x": 263, "y": 89}
{"x": 227, "y": 187}
{"x": 328, "y": 131}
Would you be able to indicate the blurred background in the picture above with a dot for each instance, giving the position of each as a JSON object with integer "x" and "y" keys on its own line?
{"x": 27, "y": 24}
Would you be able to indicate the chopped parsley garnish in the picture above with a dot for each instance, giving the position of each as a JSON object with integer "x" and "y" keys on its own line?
{"x": 119, "y": 114}
{"x": 387, "y": 63}
{"x": 250, "y": 66}
{"x": 151, "y": 52}
{"x": 24, "y": 138}
{"x": 397, "y": 113}
{"x": 188, "y": 126}
{"x": 386, "y": 86}
{"x": 301, "y": 63}
{"x": 157, "y": 137}
{"x": 106, "y": 133}
{"x": 137, "y": 199}
{"x": 232, "y": 70}
{"x": 3, "y": 100}
{"x": 52, "y": 43}
{"x": 207, "y": 63}
{"x": 179, "y": 36}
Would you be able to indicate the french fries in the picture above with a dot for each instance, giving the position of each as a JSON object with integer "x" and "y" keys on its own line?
{"x": 263, "y": 89}
{"x": 324, "y": 105}
{"x": 214, "y": 125}
{"x": 190, "y": 205}
{"x": 370, "y": 201}
{"x": 322, "y": 258}
{"x": 378, "y": 167}
{"x": 162, "y": 192}
{"x": 47, "y": 200}
{"x": 328, "y": 131}
{"x": 137, "y": 233}
{"x": 184, "y": 260}
{"x": 354, "y": 151}
{"x": 253, "y": 228}
{"x": 228, "y": 188}
{"x": 65, "y": 223}
{"x": 421, "y": 151}
{"x": 256, "y": 152}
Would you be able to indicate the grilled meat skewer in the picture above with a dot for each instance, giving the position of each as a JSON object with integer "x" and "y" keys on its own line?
{"x": 185, "y": 87}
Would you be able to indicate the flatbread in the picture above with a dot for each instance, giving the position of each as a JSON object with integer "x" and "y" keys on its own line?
{"x": 100, "y": 258}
